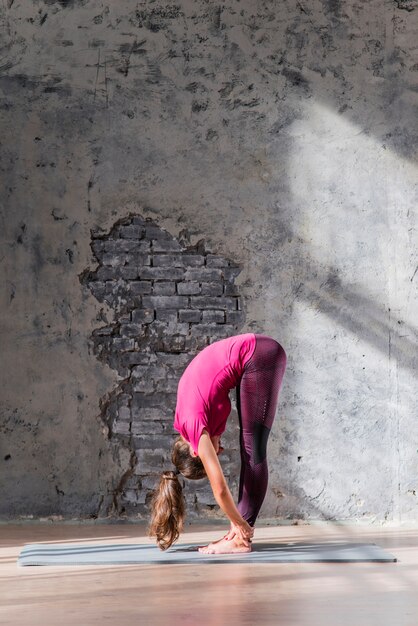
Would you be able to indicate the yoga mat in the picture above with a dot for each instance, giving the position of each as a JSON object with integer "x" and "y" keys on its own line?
{"x": 262, "y": 552}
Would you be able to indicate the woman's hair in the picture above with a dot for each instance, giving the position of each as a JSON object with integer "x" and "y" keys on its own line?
{"x": 167, "y": 502}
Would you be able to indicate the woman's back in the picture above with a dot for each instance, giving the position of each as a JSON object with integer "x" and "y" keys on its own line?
{"x": 202, "y": 394}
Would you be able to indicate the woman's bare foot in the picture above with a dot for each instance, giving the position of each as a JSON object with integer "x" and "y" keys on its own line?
{"x": 223, "y": 546}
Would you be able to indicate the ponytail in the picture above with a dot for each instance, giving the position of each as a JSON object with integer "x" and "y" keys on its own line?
{"x": 167, "y": 510}
{"x": 168, "y": 506}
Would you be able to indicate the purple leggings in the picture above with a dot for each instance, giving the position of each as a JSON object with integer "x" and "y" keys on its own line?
{"x": 257, "y": 397}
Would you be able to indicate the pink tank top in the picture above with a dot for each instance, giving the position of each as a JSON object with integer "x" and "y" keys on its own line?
{"x": 202, "y": 393}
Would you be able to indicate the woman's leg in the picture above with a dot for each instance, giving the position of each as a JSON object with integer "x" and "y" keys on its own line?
{"x": 257, "y": 398}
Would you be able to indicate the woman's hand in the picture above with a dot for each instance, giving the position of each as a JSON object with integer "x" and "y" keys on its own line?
{"x": 243, "y": 531}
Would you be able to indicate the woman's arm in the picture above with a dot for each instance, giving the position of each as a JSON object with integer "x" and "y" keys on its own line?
{"x": 218, "y": 483}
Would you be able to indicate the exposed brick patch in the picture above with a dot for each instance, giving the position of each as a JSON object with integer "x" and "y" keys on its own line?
{"x": 170, "y": 301}
{"x": 407, "y": 5}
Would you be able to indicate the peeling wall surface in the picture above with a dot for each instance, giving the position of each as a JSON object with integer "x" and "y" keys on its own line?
{"x": 170, "y": 301}
{"x": 176, "y": 173}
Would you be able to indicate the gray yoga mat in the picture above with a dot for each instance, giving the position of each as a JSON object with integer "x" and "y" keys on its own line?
{"x": 262, "y": 552}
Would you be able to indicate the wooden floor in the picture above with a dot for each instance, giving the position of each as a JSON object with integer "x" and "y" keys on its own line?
{"x": 315, "y": 594}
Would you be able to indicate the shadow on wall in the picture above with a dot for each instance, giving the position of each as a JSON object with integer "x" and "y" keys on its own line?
{"x": 359, "y": 314}
{"x": 355, "y": 58}
{"x": 368, "y": 414}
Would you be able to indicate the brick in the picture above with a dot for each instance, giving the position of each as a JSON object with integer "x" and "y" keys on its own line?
{"x": 114, "y": 259}
{"x": 168, "y": 384}
{"x": 122, "y": 343}
{"x": 109, "y": 298}
{"x": 174, "y": 343}
{"x": 209, "y": 302}
{"x": 188, "y": 288}
{"x": 150, "y": 427}
{"x": 126, "y": 245}
{"x": 213, "y": 316}
{"x": 130, "y": 330}
{"x": 230, "y": 289}
{"x": 195, "y": 260}
{"x": 134, "y": 358}
{"x": 164, "y": 288}
{"x": 166, "y": 245}
{"x": 133, "y": 496}
{"x": 113, "y": 360}
{"x": 138, "y": 287}
{"x": 152, "y": 231}
{"x": 151, "y": 459}
{"x": 203, "y": 274}
{"x": 98, "y": 246}
{"x": 187, "y": 315}
{"x": 166, "y": 315}
{"x": 153, "y": 371}
{"x": 194, "y": 487}
{"x": 173, "y": 360}
{"x": 142, "y": 246}
{"x": 235, "y": 317}
{"x": 124, "y": 414}
{"x": 121, "y": 428}
{"x": 212, "y": 260}
{"x": 146, "y": 385}
{"x": 129, "y": 272}
{"x": 113, "y": 286}
{"x": 230, "y": 273}
{"x": 164, "y": 329}
{"x": 162, "y": 401}
{"x": 123, "y": 399}
{"x": 142, "y": 441}
{"x": 205, "y": 496}
{"x": 161, "y": 273}
{"x": 212, "y": 330}
{"x": 140, "y": 414}
{"x": 138, "y": 220}
{"x": 137, "y": 258}
{"x": 142, "y": 316}
{"x": 114, "y": 233}
{"x": 168, "y": 260}
{"x": 131, "y": 232}
{"x": 140, "y": 371}
{"x": 98, "y": 290}
{"x": 196, "y": 341}
{"x": 142, "y": 511}
{"x": 162, "y": 302}
{"x": 105, "y": 272}
{"x": 151, "y": 481}
{"x": 211, "y": 289}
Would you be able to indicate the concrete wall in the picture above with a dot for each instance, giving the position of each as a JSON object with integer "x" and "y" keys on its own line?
{"x": 283, "y": 135}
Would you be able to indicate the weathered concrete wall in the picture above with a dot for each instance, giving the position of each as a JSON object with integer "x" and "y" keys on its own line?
{"x": 282, "y": 134}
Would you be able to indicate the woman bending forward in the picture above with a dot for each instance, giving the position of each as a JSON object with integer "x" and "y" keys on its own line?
{"x": 254, "y": 364}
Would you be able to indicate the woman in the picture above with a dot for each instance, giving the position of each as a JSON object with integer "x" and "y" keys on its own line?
{"x": 255, "y": 365}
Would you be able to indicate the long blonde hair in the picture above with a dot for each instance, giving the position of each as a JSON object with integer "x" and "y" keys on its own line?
{"x": 167, "y": 503}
